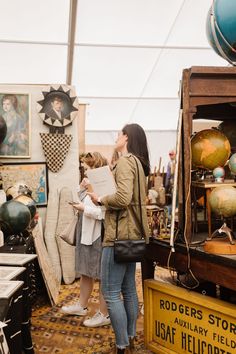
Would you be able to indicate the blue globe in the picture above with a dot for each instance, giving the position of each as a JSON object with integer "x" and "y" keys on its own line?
{"x": 221, "y": 29}
{"x": 232, "y": 164}
{"x": 219, "y": 173}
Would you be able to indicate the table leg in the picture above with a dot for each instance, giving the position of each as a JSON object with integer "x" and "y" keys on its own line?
{"x": 195, "y": 225}
{"x": 208, "y": 192}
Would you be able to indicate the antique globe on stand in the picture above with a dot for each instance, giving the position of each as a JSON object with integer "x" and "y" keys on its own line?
{"x": 219, "y": 174}
{"x": 221, "y": 29}
{"x": 222, "y": 201}
{"x": 19, "y": 188}
{"x": 15, "y": 217}
{"x": 29, "y": 202}
{"x": 232, "y": 165}
{"x": 228, "y": 128}
{"x": 210, "y": 149}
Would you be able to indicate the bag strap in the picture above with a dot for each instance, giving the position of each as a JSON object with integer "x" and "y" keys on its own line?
{"x": 140, "y": 205}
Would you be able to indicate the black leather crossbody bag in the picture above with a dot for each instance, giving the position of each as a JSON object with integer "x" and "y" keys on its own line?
{"x": 128, "y": 250}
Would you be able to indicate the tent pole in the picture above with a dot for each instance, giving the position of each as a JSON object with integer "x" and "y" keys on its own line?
{"x": 71, "y": 40}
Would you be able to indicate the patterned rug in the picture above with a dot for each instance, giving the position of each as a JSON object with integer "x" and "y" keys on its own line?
{"x": 56, "y": 333}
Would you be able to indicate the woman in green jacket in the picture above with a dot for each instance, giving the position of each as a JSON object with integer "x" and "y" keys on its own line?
{"x": 119, "y": 278}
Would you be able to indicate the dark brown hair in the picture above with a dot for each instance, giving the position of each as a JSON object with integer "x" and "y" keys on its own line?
{"x": 137, "y": 144}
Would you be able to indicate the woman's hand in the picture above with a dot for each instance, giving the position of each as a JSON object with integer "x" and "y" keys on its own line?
{"x": 93, "y": 197}
{"x": 84, "y": 183}
{"x": 78, "y": 206}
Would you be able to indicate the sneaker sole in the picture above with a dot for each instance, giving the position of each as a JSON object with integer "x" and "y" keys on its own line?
{"x": 98, "y": 325}
{"x": 73, "y": 314}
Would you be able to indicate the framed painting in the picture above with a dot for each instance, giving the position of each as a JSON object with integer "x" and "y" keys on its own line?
{"x": 32, "y": 174}
{"x": 58, "y": 106}
{"x": 15, "y": 121}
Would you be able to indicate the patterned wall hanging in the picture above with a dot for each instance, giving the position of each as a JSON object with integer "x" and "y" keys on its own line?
{"x": 57, "y": 108}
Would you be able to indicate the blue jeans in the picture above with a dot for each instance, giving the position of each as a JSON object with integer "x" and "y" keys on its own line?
{"x": 117, "y": 279}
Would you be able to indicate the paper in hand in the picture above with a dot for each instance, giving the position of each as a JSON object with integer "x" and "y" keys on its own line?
{"x": 102, "y": 181}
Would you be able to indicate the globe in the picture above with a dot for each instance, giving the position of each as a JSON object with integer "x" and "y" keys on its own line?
{"x": 232, "y": 164}
{"x": 210, "y": 149}
{"x": 29, "y": 202}
{"x": 17, "y": 189}
{"x": 222, "y": 201}
{"x": 221, "y": 29}
{"x": 219, "y": 173}
{"x": 228, "y": 128}
{"x": 14, "y": 217}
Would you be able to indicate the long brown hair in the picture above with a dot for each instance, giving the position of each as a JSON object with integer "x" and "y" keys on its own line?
{"x": 137, "y": 144}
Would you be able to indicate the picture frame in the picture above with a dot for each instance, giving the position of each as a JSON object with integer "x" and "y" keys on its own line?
{"x": 9, "y": 287}
{"x": 32, "y": 174}
{"x": 16, "y": 259}
{"x": 15, "y": 111}
{"x": 58, "y": 106}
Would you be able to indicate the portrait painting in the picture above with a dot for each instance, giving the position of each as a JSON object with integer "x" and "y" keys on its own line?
{"x": 15, "y": 112}
{"x": 58, "y": 106}
{"x": 33, "y": 174}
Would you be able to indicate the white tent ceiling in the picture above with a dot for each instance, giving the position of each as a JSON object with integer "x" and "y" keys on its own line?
{"x": 128, "y": 54}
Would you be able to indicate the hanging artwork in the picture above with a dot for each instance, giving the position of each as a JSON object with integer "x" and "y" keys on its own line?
{"x": 57, "y": 108}
{"x": 33, "y": 174}
{"x": 14, "y": 110}
{"x": 55, "y": 147}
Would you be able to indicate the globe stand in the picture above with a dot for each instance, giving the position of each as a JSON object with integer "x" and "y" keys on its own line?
{"x": 223, "y": 229}
{"x": 16, "y": 240}
{"x": 221, "y": 245}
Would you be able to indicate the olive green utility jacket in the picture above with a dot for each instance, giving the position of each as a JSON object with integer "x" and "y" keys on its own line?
{"x": 126, "y": 201}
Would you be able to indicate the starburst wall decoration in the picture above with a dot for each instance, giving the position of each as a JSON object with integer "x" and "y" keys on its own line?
{"x": 57, "y": 108}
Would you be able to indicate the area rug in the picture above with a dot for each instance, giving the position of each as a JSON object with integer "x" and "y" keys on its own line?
{"x": 55, "y": 333}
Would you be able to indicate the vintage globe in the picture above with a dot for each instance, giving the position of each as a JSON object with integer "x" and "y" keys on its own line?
{"x": 14, "y": 217}
{"x": 232, "y": 164}
{"x": 18, "y": 188}
{"x": 222, "y": 201}
{"x": 210, "y": 149}
{"x": 218, "y": 173}
{"x": 228, "y": 128}
{"x": 221, "y": 29}
{"x": 29, "y": 202}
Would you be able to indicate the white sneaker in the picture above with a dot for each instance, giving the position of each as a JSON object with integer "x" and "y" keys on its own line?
{"x": 74, "y": 309}
{"x": 97, "y": 320}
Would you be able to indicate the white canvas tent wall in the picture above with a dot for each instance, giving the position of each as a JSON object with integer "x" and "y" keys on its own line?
{"x": 128, "y": 58}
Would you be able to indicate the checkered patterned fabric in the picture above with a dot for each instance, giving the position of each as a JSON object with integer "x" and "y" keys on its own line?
{"x": 55, "y": 147}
